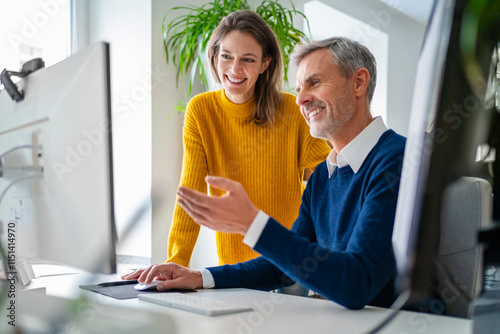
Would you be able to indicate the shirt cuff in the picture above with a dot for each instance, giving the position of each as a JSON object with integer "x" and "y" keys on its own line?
{"x": 208, "y": 279}
{"x": 255, "y": 229}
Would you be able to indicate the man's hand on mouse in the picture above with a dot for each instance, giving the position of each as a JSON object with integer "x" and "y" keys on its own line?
{"x": 174, "y": 276}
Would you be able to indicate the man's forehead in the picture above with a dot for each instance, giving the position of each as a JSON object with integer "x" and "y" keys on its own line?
{"x": 316, "y": 58}
{"x": 315, "y": 63}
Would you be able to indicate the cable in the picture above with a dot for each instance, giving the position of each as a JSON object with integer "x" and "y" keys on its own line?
{"x": 405, "y": 295}
{"x": 21, "y": 168}
{"x": 394, "y": 310}
{"x": 18, "y": 148}
{"x": 17, "y": 181}
{"x": 29, "y": 168}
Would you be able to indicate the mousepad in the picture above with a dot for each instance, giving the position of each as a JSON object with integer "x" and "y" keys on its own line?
{"x": 123, "y": 291}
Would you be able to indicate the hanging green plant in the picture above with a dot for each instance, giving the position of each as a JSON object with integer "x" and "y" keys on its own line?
{"x": 186, "y": 37}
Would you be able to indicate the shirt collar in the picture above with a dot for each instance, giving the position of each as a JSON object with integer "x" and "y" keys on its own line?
{"x": 355, "y": 153}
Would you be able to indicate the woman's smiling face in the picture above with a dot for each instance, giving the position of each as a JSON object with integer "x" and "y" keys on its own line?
{"x": 239, "y": 65}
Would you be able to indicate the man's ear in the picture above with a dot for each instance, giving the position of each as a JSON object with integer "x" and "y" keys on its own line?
{"x": 265, "y": 65}
{"x": 361, "y": 78}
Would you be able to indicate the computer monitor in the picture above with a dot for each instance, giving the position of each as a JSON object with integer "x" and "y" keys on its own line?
{"x": 56, "y": 153}
{"x": 449, "y": 119}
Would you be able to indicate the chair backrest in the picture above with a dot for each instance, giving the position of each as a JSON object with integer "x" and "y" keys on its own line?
{"x": 467, "y": 207}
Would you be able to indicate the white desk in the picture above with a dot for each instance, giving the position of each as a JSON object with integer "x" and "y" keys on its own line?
{"x": 274, "y": 313}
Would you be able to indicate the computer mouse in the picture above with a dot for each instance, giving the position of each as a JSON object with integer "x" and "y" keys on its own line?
{"x": 147, "y": 287}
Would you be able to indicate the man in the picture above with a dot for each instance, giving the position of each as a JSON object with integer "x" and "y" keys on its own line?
{"x": 340, "y": 244}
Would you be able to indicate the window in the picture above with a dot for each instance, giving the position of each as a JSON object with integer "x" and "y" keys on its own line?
{"x": 34, "y": 29}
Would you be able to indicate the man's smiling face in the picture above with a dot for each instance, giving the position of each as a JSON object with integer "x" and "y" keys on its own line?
{"x": 326, "y": 98}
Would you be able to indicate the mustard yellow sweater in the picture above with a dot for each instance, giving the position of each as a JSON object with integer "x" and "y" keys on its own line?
{"x": 268, "y": 161}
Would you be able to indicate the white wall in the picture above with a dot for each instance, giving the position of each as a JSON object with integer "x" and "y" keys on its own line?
{"x": 126, "y": 25}
{"x": 33, "y": 28}
{"x": 167, "y": 146}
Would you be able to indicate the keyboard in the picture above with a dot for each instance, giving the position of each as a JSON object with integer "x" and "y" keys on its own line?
{"x": 195, "y": 304}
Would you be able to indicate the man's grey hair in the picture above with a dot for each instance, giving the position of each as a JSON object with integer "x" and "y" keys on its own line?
{"x": 348, "y": 56}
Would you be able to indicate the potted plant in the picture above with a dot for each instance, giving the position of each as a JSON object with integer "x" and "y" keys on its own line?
{"x": 185, "y": 38}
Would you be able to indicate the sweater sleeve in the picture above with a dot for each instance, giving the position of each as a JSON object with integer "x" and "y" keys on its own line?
{"x": 260, "y": 273}
{"x": 184, "y": 231}
{"x": 355, "y": 276}
{"x": 257, "y": 274}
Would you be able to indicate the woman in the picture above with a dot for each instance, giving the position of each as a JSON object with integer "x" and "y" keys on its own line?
{"x": 248, "y": 131}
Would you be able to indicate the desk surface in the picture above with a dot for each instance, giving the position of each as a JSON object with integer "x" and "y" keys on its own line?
{"x": 273, "y": 313}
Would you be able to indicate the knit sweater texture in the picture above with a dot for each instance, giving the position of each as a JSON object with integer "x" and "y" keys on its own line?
{"x": 268, "y": 161}
{"x": 340, "y": 245}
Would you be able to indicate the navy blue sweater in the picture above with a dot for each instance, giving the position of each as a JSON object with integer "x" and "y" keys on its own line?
{"x": 340, "y": 245}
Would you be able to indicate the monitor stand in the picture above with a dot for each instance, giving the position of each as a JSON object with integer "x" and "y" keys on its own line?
{"x": 22, "y": 271}
{"x": 25, "y": 272}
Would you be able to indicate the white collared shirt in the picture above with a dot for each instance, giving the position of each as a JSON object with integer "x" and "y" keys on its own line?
{"x": 353, "y": 155}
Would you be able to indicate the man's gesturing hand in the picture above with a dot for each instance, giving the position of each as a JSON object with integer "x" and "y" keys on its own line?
{"x": 231, "y": 213}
